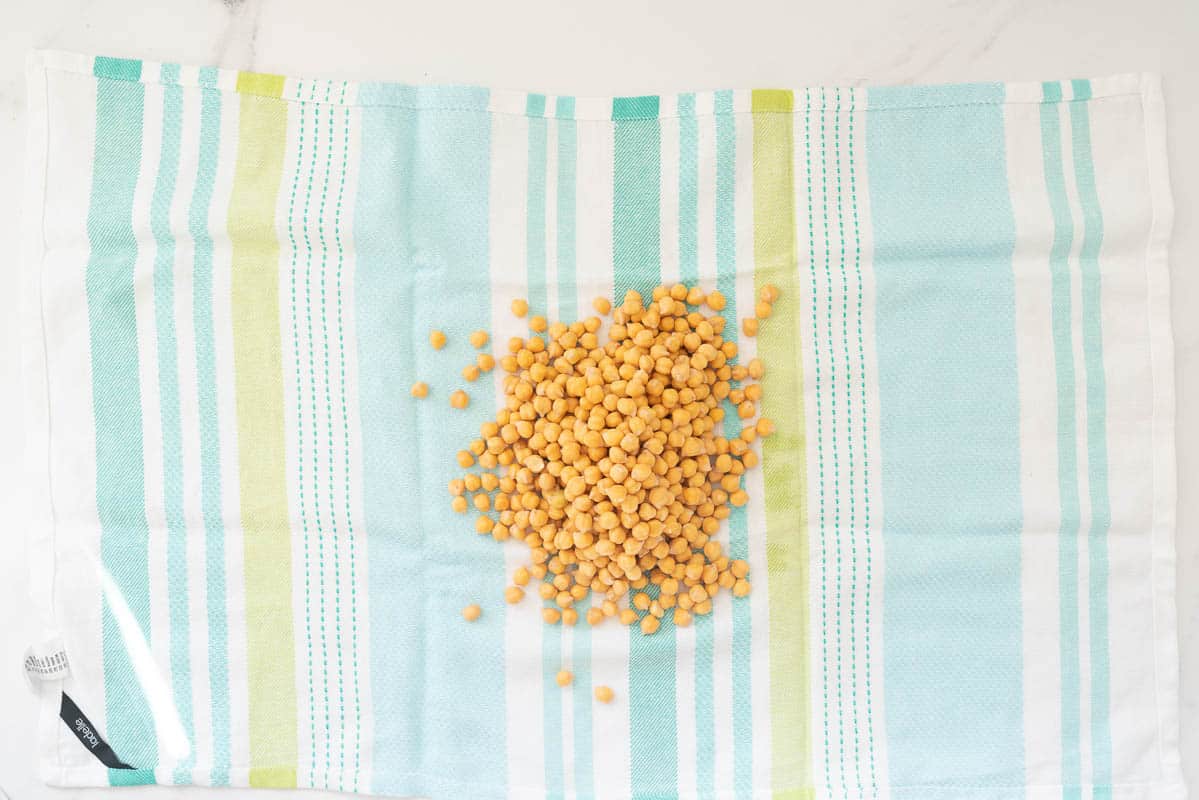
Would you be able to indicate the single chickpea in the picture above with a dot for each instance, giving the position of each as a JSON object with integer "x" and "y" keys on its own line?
{"x": 601, "y": 305}
{"x": 551, "y": 616}
{"x": 437, "y": 339}
{"x": 472, "y": 612}
{"x": 749, "y": 326}
{"x": 564, "y": 678}
{"x": 604, "y": 694}
{"x": 486, "y": 362}
{"x": 420, "y": 389}
{"x": 762, "y": 310}
{"x": 520, "y": 307}
{"x": 459, "y": 504}
{"x": 465, "y": 459}
{"x": 459, "y": 399}
{"x": 537, "y": 324}
{"x": 478, "y": 339}
{"x": 470, "y": 372}
{"x": 769, "y": 293}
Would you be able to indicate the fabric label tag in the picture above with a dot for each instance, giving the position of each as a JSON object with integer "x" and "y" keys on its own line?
{"x": 87, "y": 734}
{"x": 47, "y": 661}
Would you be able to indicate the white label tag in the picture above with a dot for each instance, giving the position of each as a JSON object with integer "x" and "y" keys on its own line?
{"x": 47, "y": 661}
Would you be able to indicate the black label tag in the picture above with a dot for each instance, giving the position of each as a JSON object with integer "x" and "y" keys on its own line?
{"x": 87, "y": 734}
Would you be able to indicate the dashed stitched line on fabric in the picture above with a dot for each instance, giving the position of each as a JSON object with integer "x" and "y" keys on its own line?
{"x": 320, "y": 218}
{"x": 819, "y": 432}
{"x": 291, "y": 207}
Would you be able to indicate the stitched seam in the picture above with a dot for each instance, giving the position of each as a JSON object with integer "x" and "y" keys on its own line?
{"x": 291, "y": 235}
{"x": 341, "y": 700}
{"x": 857, "y": 265}
{"x": 819, "y": 431}
{"x": 345, "y": 431}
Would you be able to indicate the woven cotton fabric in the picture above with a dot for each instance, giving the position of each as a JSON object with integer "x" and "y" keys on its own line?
{"x": 960, "y": 539}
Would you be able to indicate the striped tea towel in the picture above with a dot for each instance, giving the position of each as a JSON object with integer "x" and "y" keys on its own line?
{"x": 961, "y": 537}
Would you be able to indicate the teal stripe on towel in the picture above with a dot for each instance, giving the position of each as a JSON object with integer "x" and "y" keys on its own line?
{"x": 636, "y": 255}
{"x": 421, "y": 232}
{"x": 168, "y": 400}
{"x": 209, "y": 416}
{"x": 952, "y": 514}
{"x": 1097, "y": 480}
{"x": 116, "y": 399}
{"x": 1067, "y": 435}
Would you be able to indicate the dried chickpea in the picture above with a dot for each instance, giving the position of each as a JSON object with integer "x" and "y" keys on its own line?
{"x": 762, "y": 310}
{"x": 769, "y": 293}
{"x": 486, "y": 362}
{"x": 478, "y": 339}
{"x": 472, "y": 612}
{"x": 604, "y": 694}
{"x": 756, "y": 369}
{"x": 437, "y": 339}
{"x": 520, "y": 307}
{"x": 459, "y": 399}
{"x": 564, "y": 678}
{"x": 601, "y": 305}
{"x": 607, "y": 458}
{"x": 470, "y": 372}
{"x": 521, "y": 576}
{"x": 420, "y": 389}
{"x": 465, "y": 459}
{"x": 459, "y": 504}
{"x": 765, "y": 426}
{"x": 749, "y": 326}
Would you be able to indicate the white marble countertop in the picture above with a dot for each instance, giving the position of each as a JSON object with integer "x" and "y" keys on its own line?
{"x": 631, "y": 47}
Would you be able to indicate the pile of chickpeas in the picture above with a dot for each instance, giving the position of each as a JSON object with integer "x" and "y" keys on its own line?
{"x": 608, "y": 458}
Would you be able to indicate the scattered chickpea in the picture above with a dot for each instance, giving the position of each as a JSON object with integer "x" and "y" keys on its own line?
{"x": 649, "y": 624}
{"x": 537, "y": 324}
{"x": 520, "y": 307}
{"x": 437, "y": 339}
{"x": 762, "y": 310}
{"x": 470, "y": 373}
{"x": 749, "y": 326}
{"x": 564, "y": 677}
{"x": 471, "y": 612}
{"x": 486, "y": 362}
{"x": 521, "y": 577}
{"x": 465, "y": 459}
{"x": 716, "y": 301}
{"x": 601, "y": 305}
{"x": 682, "y": 618}
{"x": 459, "y": 504}
{"x": 569, "y": 616}
{"x": 478, "y": 339}
{"x": 769, "y": 293}
{"x": 765, "y": 426}
{"x": 604, "y": 694}
{"x": 628, "y": 616}
{"x": 551, "y": 616}
{"x": 459, "y": 399}
{"x": 420, "y": 389}
{"x": 756, "y": 369}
